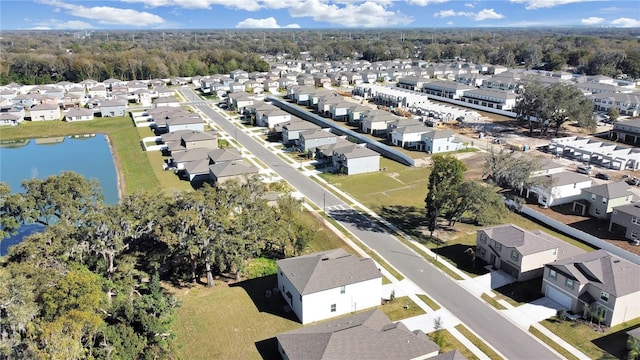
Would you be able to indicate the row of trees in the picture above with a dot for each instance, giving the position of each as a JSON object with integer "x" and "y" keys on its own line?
{"x": 88, "y": 285}
{"x": 43, "y": 57}
{"x": 552, "y": 106}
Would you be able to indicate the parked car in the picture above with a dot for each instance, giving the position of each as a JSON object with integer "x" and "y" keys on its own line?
{"x": 603, "y": 176}
{"x": 633, "y": 181}
{"x": 584, "y": 169}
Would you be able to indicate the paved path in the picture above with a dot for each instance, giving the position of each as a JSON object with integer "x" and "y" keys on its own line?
{"x": 506, "y": 337}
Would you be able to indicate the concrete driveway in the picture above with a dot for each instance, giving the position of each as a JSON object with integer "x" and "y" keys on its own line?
{"x": 487, "y": 282}
{"x": 533, "y": 312}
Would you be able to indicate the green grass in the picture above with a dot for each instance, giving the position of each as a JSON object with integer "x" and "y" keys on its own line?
{"x": 477, "y": 342}
{"x": 325, "y": 239}
{"x": 260, "y": 267}
{"x": 493, "y": 302}
{"x": 427, "y": 300}
{"x": 609, "y": 344}
{"x": 555, "y": 346}
{"x": 385, "y": 280}
{"x": 450, "y": 343}
{"x": 401, "y": 308}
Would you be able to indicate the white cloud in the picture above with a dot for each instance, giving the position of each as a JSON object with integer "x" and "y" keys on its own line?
{"x": 449, "y": 23}
{"x": 449, "y": 13}
{"x": 268, "y": 23}
{"x": 355, "y": 14}
{"x": 248, "y": 5}
{"x": 425, "y": 2}
{"x": 540, "y": 4}
{"x": 479, "y": 16}
{"x": 107, "y": 14}
{"x": 626, "y": 22}
{"x": 55, "y": 24}
{"x": 487, "y": 14}
{"x": 592, "y": 20}
{"x": 469, "y": 5}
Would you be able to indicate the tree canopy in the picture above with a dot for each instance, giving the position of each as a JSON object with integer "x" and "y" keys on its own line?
{"x": 88, "y": 285}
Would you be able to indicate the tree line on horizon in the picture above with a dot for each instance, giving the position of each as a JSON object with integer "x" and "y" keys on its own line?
{"x": 88, "y": 286}
{"x": 40, "y": 57}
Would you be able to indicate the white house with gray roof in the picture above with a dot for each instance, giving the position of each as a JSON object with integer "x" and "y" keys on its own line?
{"x": 326, "y": 284}
{"x": 558, "y": 188}
{"x": 595, "y": 283}
{"x": 367, "y": 335}
{"x": 438, "y": 141}
{"x": 520, "y": 253}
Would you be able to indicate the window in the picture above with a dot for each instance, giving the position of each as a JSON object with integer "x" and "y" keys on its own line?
{"x": 596, "y": 211}
{"x": 482, "y": 251}
{"x": 553, "y": 274}
{"x": 634, "y": 220}
{"x": 498, "y": 246}
{"x": 514, "y": 255}
{"x": 604, "y": 295}
{"x": 569, "y": 283}
{"x": 342, "y": 289}
{"x": 333, "y": 307}
{"x": 483, "y": 238}
{"x": 634, "y": 234}
{"x": 604, "y": 200}
{"x": 593, "y": 196}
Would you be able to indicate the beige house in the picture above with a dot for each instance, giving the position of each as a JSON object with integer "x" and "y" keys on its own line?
{"x": 595, "y": 284}
{"x": 44, "y": 112}
{"x": 520, "y": 253}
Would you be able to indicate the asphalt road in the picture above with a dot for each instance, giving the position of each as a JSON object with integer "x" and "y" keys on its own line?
{"x": 507, "y": 338}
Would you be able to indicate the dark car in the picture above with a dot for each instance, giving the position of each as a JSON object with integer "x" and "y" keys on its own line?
{"x": 603, "y": 176}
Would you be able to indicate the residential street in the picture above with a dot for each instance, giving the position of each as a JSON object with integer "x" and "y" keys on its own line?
{"x": 507, "y": 338}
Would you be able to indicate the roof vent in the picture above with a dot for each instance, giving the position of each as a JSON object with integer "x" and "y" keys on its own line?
{"x": 616, "y": 261}
{"x": 325, "y": 258}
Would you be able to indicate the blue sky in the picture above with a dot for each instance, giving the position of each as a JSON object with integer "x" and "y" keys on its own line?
{"x": 310, "y": 14}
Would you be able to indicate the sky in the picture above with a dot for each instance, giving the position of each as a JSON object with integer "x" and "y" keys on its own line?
{"x": 313, "y": 14}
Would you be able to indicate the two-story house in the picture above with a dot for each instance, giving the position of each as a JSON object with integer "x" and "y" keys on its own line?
{"x": 558, "y": 188}
{"x": 599, "y": 200}
{"x": 437, "y": 141}
{"x": 519, "y": 252}
{"x": 593, "y": 285}
{"x": 625, "y": 219}
{"x": 326, "y": 284}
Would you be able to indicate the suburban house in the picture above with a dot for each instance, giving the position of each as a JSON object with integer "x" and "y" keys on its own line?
{"x": 170, "y": 101}
{"x": 520, "y": 253}
{"x": 182, "y": 140}
{"x": 626, "y": 131}
{"x": 355, "y": 113}
{"x": 195, "y": 123}
{"x": 323, "y": 285}
{"x": 292, "y": 130}
{"x": 111, "y": 108}
{"x": 12, "y": 119}
{"x": 339, "y": 111}
{"x": 409, "y": 136}
{"x": 376, "y": 123}
{"x": 596, "y": 284}
{"x": 239, "y": 101}
{"x": 437, "y": 141}
{"x": 490, "y": 98}
{"x": 599, "y": 200}
{"x": 367, "y": 335}
{"x": 238, "y": 170}
{"x": 78, "y": 114}
{"x": 625, "y": 219}
{"x": 312, "y": 139}
{"x": 355, "y": 159}
{"x": 43, "y": 112}
{"x": 273, "y": 117}
{"x": 558, "y": 188}
{"x": 196, "y": 162}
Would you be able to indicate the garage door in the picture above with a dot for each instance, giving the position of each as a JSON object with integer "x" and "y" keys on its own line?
{"x": 559, "y": 297}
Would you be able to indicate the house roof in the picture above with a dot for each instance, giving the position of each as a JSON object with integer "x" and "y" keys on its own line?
{"x": 44, "y": 107}
{"x": 197, "y": 167}
{"x": 295, "y": 125}
{"x": 439, "y": 134}
{"x": 327, "y": 270}
{"x": 183, "y": 120}
{"x": 632, "y": 209}
{"x": 451, "y": 355}
{"x": 528, "y": 242}
{"x": 610, "y": 190}
{"x": 191, "y": 155}
{"x": 194, "y": 135}
{"x": 114, "y": 103}
{"x": 232, "y": 168}
{"x": 603, "y": 270}
{"x": 367, "y": 335}
{"x": 316, "y": 134}
{"x": 223, "y": 155}
{"x": 356, "y": 151}
{"x": 79, "y": 112}
{"x": 565, "y": 178}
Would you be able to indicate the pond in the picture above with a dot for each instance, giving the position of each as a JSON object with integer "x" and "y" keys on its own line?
{"x": 88, "y": 155}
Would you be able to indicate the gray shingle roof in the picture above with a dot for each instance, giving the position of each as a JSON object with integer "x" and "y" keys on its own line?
{"x": 222, "y": 155}
{"x": 327, "y": 270}
{"x": 232, "y": 168}
{"x": 368, "y": 335}
{"x": 529, "y": 242}
{"x": 632, "y": 209}
{"x": 603, "y": 270}
{"x": 610, "y": 190}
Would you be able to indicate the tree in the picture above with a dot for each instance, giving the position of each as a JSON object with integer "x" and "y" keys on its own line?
{"x": 614, "y": 114}
{"x": 564, "y": 103}
{"x": 483, "y": 205}
{"x": 529, "y": 102}
{"x": 512, "y": 170}
{"x": 10, "y": 211}
{"x": 447, "y": 173}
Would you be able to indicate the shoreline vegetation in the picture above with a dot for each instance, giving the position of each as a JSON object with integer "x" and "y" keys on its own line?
{"x": 133, "y": 169}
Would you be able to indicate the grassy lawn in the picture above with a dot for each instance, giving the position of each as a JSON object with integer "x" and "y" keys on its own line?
{"x": 552, "y": 344}
{"x": 427, "y": 300}
{"x": 450, "y": 343}
{"x": 401, "y": 308}
{"x": 492, "y": 301}
{"x": 477, "y": 342}
{"x": 610, "y": 344}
